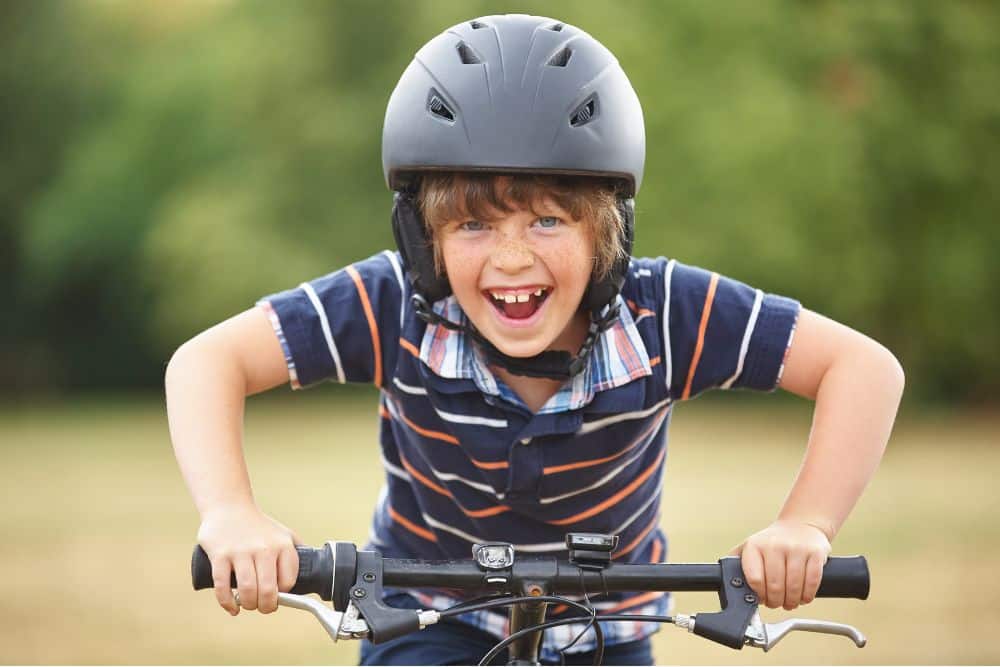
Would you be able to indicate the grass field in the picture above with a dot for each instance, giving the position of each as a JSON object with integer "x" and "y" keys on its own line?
{"x": 98, "y": 527}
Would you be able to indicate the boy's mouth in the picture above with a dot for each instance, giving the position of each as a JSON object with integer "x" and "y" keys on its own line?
{"x": 518, "y": 304}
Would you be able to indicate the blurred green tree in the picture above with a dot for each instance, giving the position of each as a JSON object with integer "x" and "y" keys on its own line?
{"x": 168, "y": 163}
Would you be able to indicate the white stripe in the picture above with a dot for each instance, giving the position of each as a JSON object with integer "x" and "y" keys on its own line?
{"x": 393, "y": 411}
{"x": 668, "y": 364}
{"x": 596, "y": 425}
{"x": 638, "y": 513}
{"x": 445, "y": 476}
{"x": 532, "y": 548}
{"x": 751, "y": 323}
{"x": 450, "y": 477}
{"x": 408, "y": 388}
{"x": 399, "y": 279}
{"x": 467, "y": 419}
{"x": 442, "y": 477}
{"x": 394, "y": 469}
{"x": 314, "y": 299}
{"x": 641, "y": 318}
{"x": 604, "y": 480}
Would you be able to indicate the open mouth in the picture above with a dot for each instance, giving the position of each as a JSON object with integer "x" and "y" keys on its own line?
{"x": 518, "y": 304}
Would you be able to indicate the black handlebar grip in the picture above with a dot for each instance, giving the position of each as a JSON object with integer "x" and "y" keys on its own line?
{"x": 845, "y": 577}
{"x": 315, "y": 572}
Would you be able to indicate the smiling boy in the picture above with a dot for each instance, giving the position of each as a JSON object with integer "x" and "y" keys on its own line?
{"x": 528, "y": 366}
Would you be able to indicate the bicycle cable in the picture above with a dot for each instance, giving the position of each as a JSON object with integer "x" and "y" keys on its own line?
{"x": 461, "y": 606}
{"x": 590, "y": 622}
{"x": 495, "y": 651}
{"x": 508, "y": 601}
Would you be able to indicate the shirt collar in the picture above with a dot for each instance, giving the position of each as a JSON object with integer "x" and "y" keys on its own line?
{"x": 618, "y": 357}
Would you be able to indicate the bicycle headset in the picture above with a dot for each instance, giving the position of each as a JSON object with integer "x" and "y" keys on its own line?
{"x": 512, "y": 94}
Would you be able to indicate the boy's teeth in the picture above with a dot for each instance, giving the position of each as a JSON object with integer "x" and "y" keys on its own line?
{"x": 523, "y": 298}
{"x": 538, "y": 292}
{"x": 510, "y": 298}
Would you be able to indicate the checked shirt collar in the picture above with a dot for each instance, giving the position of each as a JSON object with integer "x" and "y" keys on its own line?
{"x": 618, "y": 358}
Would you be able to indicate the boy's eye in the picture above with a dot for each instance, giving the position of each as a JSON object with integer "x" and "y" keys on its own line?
{"x": 548, "y": 222}
{"x": 472, "y": 226}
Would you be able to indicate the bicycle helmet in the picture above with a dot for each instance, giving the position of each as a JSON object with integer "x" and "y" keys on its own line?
{"x": 512, "y": 94}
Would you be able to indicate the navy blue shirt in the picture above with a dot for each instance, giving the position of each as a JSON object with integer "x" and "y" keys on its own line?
{"x": 466, "y": 461}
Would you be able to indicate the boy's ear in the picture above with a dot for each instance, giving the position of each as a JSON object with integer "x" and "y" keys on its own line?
{"x": 603, "y": 292}
{"x": 416, "y": 248}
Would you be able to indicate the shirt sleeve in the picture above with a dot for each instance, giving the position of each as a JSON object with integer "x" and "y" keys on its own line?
{"x": 721, "y": 332}
{"x": 343, "y": 326}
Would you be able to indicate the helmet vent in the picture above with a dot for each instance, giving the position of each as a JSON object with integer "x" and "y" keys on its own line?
{"x": 584, "y": 113}
{"x": 556, "y": 27}
{"x": 561, "y": 59}
{"x": 477, "y": 25}
{"x": 467, "y": 55}
{"x": 438, "y": 108}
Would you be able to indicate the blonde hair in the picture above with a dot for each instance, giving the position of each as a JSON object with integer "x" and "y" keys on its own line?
{"x": 449, "y": 196}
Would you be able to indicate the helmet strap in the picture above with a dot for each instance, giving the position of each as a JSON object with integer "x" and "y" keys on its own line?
{"x": 550, "y": 364}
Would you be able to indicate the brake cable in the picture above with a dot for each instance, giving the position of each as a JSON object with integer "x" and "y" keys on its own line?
{"x": 462, "y": 608}
{"x": 566, "y": 621}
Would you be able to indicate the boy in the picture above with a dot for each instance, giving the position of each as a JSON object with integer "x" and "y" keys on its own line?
{"x": 527, "y": 365}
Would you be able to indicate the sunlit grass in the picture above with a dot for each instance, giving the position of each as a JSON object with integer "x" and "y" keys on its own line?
{"x": 98, "y": 529}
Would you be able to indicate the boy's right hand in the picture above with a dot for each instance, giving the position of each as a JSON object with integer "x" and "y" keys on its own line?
{"x": 260, "y": 550}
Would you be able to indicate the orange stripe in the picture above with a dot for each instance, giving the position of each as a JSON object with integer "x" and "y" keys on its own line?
{"x": 600, "y": 507}
{"x": 409, "y": 347}
{"x": 593, "y": 462}
{"x": 372, "y": 326}
{"x": 657, "y": 549}
{"x": 484, "y": 465}
{"x": 437, "y": 435}
{"x": 654, "y": 361}
{"x": 423, "y": 480}
{"x": 410, "y": 526}
{"x": 632, "y": 602}
{"x": 476, "y": 514}
{"x": 446, "y": 437}
{"x": 638, "y": 538}
{"x": 485, "y": 512}
{"x": 706, "y": 312}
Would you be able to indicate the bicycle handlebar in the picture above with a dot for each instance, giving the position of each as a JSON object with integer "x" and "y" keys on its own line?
{"x": 354, "y": 580}
{"x": 843, "y": 577}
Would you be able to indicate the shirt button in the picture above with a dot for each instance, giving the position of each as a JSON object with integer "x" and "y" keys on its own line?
{"x": 525, "y": 441}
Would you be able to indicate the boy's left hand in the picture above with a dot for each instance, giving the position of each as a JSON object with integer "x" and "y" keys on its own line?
{"x": 783, "y": 563}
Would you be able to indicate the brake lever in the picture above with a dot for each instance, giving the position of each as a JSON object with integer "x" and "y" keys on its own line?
{"x": 347, "y": 624}
{"x": 738, "y": 623}
{"x": 767, "y": 635}
{"x": 338, "y": 625}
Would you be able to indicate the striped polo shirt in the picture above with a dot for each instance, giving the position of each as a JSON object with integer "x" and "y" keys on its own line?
{"x": 466, "y": 461}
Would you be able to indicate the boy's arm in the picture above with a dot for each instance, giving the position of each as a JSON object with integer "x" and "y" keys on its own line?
{"x": 207, "y": 381}
{"x": 857, "y": 385}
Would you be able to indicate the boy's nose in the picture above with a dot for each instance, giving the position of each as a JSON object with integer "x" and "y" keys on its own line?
{"x": 512, "y": 255}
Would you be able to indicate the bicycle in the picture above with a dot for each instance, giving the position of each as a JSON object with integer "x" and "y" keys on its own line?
{"x": 353, "y": 581}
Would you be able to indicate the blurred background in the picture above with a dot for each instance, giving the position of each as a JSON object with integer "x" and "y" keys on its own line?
{"x": 165, "y": 163}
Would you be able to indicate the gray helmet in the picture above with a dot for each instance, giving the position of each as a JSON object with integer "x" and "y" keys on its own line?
{"x": 514, "y": 93}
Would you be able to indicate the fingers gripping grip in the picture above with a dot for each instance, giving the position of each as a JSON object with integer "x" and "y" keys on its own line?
{"x": 315, "y": 572}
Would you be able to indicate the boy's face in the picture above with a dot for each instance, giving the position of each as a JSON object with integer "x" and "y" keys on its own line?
{"x": 520, "y": 277}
